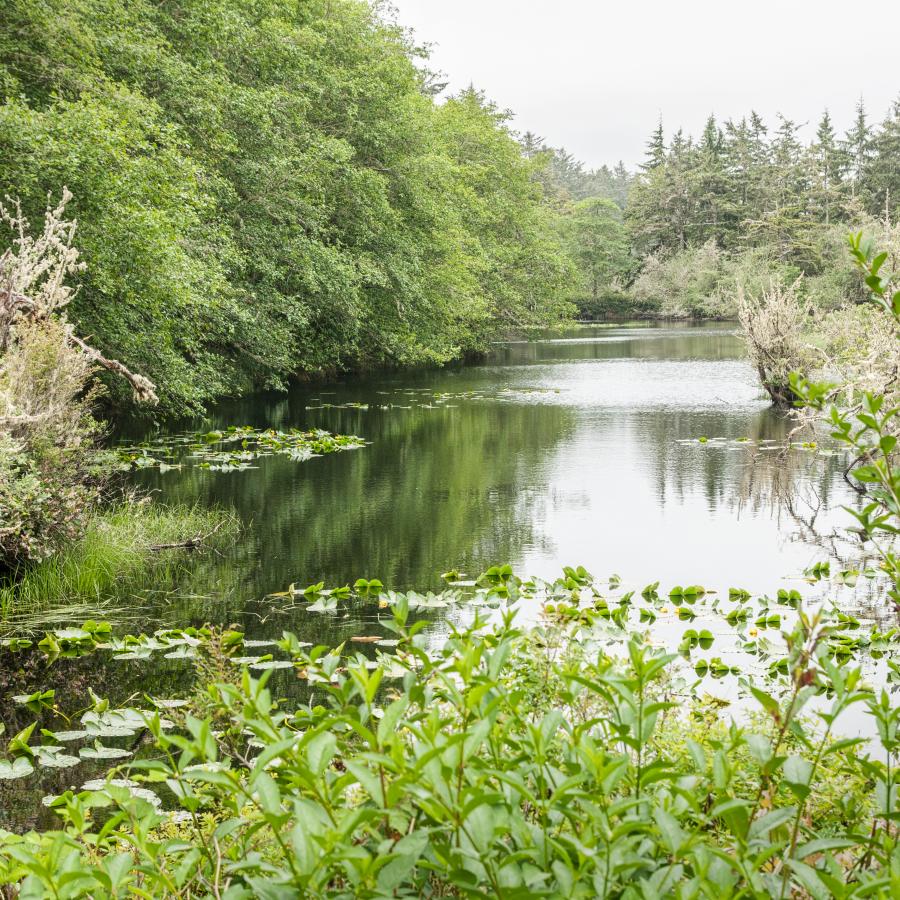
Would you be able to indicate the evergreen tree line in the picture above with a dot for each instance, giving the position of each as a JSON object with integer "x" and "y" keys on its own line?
{"x": 745, "y": 184}
{"x": 566, "y": 178}
{"x": 269, "y": 188}
{"x": 742, "y": 205}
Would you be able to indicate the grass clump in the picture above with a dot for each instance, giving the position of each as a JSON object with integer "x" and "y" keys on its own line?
{"x": 117, "y": 546}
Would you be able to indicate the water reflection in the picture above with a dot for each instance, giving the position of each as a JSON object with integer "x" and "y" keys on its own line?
{"x": 580, "y": 447}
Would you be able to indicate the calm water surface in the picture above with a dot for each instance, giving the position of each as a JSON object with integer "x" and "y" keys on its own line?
{"x": 577, "y": 448}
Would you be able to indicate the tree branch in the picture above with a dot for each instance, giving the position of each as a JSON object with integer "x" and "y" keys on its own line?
{"x": 144, "y": 388}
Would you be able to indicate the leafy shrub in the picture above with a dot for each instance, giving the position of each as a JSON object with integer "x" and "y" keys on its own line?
{"x": 683, "y": 284}
{"x": 49, "y": 469}
{"x": 863, "y": 418}
{"x": 503, "y": 764}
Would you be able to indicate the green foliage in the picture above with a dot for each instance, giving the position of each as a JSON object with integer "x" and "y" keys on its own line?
{"x": 599, "y": 246}
{"x": 115, "y": 547}
{"x": 502, "y": 763}
{"x": 869, "y": 428}
{"x": 267, "y": 190}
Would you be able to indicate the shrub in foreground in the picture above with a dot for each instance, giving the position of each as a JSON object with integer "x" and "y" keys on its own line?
{"x": 505, "y": 764}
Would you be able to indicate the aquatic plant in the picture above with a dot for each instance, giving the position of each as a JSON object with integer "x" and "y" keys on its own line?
{"x": 234, "y": 448}
{"x": 571, "y": 758}
{"x": 506, "y": 762}
{"x": 118, "y": 544}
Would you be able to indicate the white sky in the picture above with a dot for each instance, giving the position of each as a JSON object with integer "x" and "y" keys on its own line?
{"x": 595, "y": 75}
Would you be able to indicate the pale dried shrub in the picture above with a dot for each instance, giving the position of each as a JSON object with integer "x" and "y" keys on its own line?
{"x": 43, "y": 384}
{"x": 33, "y": 270}
{"x": 33, "y": 288}
{"x": 681, "y": 285}
{"x": 49, "y": 467}
{"x": 775, "y": 323}
{"x": 860, "y": 347}
{"x": 50, "y": 472}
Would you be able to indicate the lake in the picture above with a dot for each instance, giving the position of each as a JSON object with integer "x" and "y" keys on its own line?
{"x": 576, "y": 447}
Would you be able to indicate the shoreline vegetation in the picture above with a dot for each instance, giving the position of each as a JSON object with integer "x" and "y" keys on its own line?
{"x": 121, "y": 545}
{"x": 506, "y": 761}
{"x": 264, "y": 196}
{"x": 251, "y": 193}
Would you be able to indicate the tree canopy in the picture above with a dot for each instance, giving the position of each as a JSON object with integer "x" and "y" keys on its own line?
{"x": 270, "y": 188}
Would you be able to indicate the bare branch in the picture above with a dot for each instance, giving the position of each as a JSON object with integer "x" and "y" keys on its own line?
{"x": 33, "y": 273}
{"x": 144, "y": 388}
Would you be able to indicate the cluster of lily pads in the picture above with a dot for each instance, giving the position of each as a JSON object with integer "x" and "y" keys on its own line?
{"x": 55, "y": 748}
{"x": 173, "y": 643}
{"x": 749, "y": 629}
{"x": 37, "y": 747}
{"x": 763, "y": 444}
{"x": 426, "y": 398}
{"x": 741, "y": 630}
{"x": 233, "y": 449}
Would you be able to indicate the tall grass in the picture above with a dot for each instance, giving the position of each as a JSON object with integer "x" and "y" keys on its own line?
{"x": 115, "y": 549}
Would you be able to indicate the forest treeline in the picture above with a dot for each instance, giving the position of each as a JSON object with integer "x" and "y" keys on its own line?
{"x": 745, "y": 203}
{"x": 270, "y": 188}
{"x": 273, "y": 189}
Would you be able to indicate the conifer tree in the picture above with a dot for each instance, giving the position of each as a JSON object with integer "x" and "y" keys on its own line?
{"x": 881, "y": 172}
{"x": 827, "y": 162}
{"x": 656, "y": 149}
{"x": 858, "y": 146}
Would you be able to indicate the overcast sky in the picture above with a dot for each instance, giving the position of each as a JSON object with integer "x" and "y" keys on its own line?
{"x": 595, "y": 76}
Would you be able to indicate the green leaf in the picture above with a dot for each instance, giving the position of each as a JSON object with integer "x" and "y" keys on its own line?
{"x": 20, "y": 767}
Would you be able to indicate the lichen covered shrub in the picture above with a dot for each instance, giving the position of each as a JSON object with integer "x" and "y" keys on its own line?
{"x": 50, "y": 471}
{"x": 860, "y": 351}
{"x": 776, "y": 322}
{"x": 681, "y": 285}
{"x": 50, "y": 467}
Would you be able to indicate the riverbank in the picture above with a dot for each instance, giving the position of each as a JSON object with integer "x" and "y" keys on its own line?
{"x": 130, "y": 541}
